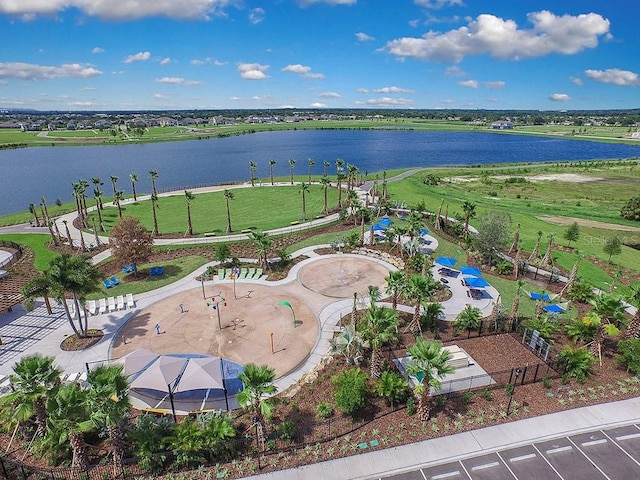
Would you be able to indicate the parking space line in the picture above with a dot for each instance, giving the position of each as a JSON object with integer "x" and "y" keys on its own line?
{"x": 507, "y": 466}
{"x": 620, "y": 446}
{"x": 446, "y": 475}
{"x": 568, "y": 448}
{"x": 628, "y": 437}
{"x": 589, "y": 459}
{"x": 523, "y": 457}
{"x": 548, "y": 462}
{"x": 485, "y": 466}
{"x": 594, "y": 442}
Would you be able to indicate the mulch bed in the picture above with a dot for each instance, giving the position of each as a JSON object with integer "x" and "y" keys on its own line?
{"x": 73, "y": 343}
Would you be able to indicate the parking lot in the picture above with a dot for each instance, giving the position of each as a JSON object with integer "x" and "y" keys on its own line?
{"x": 602, "y": 454}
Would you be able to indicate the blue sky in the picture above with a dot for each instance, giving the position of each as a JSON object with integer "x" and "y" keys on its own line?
{"x": 216, "y": 54}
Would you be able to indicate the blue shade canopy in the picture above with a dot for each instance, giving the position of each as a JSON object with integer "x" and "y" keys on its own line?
{"x": 554, "y": 308}
{"x": 385, "y": 221}
{"x": 474, "y": 271}
{"x": 476, "y": 282}
{"x": 545, "y": 297}
{"x": 424, "y": 231}
{"x": 378, "y": 227}
{"x": 447, "y": 261}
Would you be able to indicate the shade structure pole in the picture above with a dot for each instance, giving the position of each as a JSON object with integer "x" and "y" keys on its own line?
{"x": 173, "y": 407}
{"x": 224, "y": 386}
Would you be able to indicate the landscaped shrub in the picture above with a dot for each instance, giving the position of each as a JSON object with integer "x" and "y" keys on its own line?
{"x": 629, "y": 351}
{"x": 504, "y": 268}
{"x": 581, "y": 291}
{"x": 324, "y": 410}
{"x": 393, "y": 387}
{"x": 575, "y": 363}
{"x": 351, "y": 390}
{"x": 631, "y": 210}
{"x": 287, "y": 430}
{"x": 580, "y": 331}
{"x": 545, "y": 327}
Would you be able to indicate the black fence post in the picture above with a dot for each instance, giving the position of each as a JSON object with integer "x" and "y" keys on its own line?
{"x": 524, "y": 374}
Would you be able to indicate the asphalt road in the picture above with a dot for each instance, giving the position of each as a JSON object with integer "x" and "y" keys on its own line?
{"x": 612, "y": 454}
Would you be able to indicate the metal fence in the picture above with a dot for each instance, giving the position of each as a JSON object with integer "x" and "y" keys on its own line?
{"x": 13, "y": 258}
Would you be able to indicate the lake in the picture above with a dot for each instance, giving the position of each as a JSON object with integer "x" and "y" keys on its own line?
{"x": 30, "y": 173}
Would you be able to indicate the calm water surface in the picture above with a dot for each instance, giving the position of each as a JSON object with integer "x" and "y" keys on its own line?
{"x": 30, "y": 173}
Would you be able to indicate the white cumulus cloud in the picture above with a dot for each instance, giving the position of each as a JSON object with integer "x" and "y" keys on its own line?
{"x": 495, "y": 85}
{"x": 435, "y": 4}
{"x": 256, "y": 15}
{"x": 306, "y": 3}
{"x": 468, "y": 83}
{"x": 318, "y": 105}
{"x": 302, "y": 70}
{"x": 559, "y": 97}
{"x": 363, "y": 37}
{"x": 253, "y": 71}
{"x": 138, "y": 57}
{"x": 165, "y": 61}
{"x": 178, "y": 81}
{"x": 504, "y": 40}
{"x": 97, "y": 50}
{"x": 29, "y": 71}
{"x": 329, "y": 95}
{"x": 119, "y": 10}
{"x": 614, "y": 76}
{"x": 392, "y": 90}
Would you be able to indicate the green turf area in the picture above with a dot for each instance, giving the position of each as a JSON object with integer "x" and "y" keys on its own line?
{"x": 530, "y": 204}
{"x": 175, "y": 133}
{"x": 37, "y": 242}
{"x": 257, "y": 208}
{"x": 173, "y": 270}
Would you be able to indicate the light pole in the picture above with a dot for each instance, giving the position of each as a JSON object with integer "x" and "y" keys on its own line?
{"x": 216, "y": 307}
{"x": 517, "y": 371}
{"x": 287, "y": 304}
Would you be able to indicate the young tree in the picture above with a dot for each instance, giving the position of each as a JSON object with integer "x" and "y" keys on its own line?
{"x": 493, "y": 233}
{"x": 189, "y": 197}
{"x": 304, "y": 189}
{"x": 468, "y": 319}
{"x": 154, "y": 206}
{"x": 429, "y": 365}
{"x": 419, "y": 289}
{"x": 378, "y": 327}
{"x": 114, "y": 184}
{"x": 262, "y": 243}
{"x": 310, "y": 163}
{"x": 130, "y": 242}
{"x": 631, "y": 210}
{"x": 613, "y": 246}
{"x": 153, "y": 175}
{"x": 272, "y": 163}
{"x": 325, "y": 183}
{"x": 223, "y": 252}
{"x": 350, "y": 344}
{"x": 134, "y": 178}
{"x": 292, "y": 163}
{"x": 469, "y": 209}
{"x": 118, "y": 197}
{"x": 34, "y": 288}
{"x": 572, "y": 233}
{"x": 396, "y": 283}
{"x": 258, "y": 387}
{"x": 325, "y": 165}
{"x": 633, "y": 297}
{"x": 252, "y": 168}
{"x": 351, "y": 392}
{"x": 228, "y": 195}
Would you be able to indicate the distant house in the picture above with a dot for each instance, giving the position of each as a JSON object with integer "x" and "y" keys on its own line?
{"x": 502, "y": 125}
{"x": 168, "y": 122}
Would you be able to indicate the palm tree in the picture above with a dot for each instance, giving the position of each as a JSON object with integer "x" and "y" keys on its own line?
{"x": 114, "y": 184}
{"x": 258, "y": 386}
{"x": 83, "y": 185}
{"x": 34, "y": 288}
{"x": 134, "y": 178}
{"x": 310, "y": 163}
{"x": 304, "y": 189}
{"x": 228, "y": 195}
{"x": 189, "y": 197}
{"x": 378, "y": 327}
{"x": 352, "y": 176}
{"x": 75, "y": 275}
{"x": 97, "y": 195}
{"x": 415, "y": 223}
{"x": 326, "y": 164}
{"x": 153, "y": 175}
{"x": 118, "y": 197}
{"x": 340, "y": 176}
{"x": 252, "y": 167}
{"x": 514, "y": 316}
{"x": 469, "y": 319}
{"x": 396, "y": 282}
{"x": 69, "y": 418}
{"x": 419, "y": 289}
{"x": 469, "y": 209}
{"x": 97, "y": 183}
{"x": 263, "y": 243}
{"x": 431, "y": 316}
{"x": 272, "y": 163}
{"x": 633, "y": 297}
{"x": 45, "y": 211}
{"x": 34, "y": 379}
{"x": 154, "y": 206}
{"x": 33, "y": 211}
{"x": 429, "y": 365}
{"x": 109, "y": 401}
{"x": 292, "y": 163}
{"x": 607, "y": 315}
{"x": 325, "y": 183}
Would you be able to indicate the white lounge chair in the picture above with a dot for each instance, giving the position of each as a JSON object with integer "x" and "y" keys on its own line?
{"x": 111, "y": 301}
{"x": 131, "y": 303}
{"x": 120, "y": 302}
{"x": 92, "y": 306}
{"x": 103, "y": 305}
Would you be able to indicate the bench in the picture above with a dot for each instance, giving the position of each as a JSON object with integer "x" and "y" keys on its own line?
{"x": 210, "y": 234}
{"x": 246, "y": 230}
{"x": 296, "y": 222}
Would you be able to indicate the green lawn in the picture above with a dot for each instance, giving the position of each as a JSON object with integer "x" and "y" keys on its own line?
{"x": 259, "y": 208}
{"x": 37, "y": 242}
